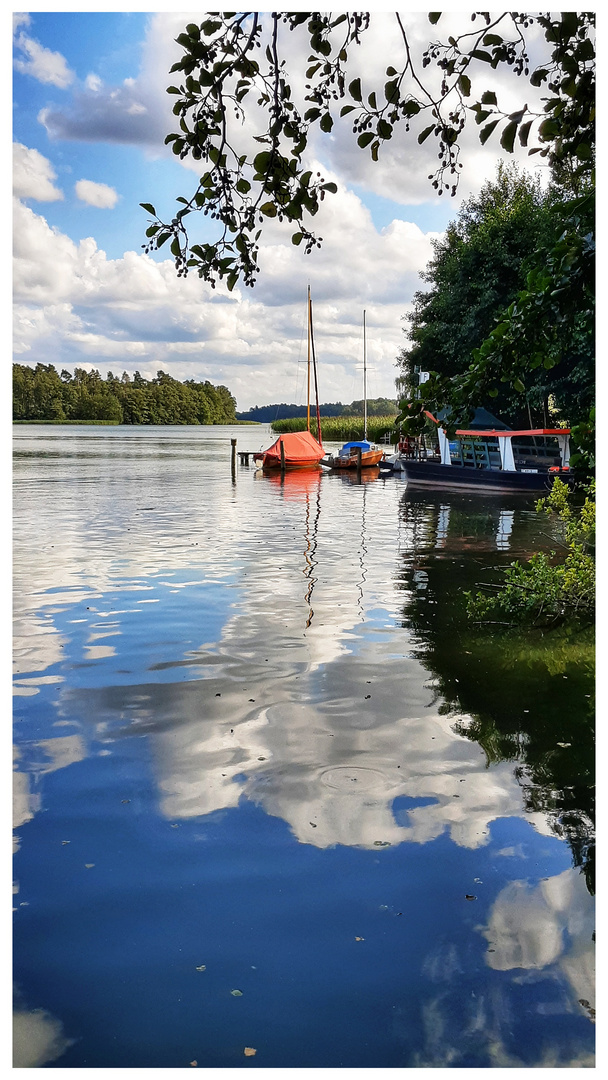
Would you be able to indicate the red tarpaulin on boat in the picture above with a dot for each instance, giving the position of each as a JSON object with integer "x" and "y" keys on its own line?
{"x": 301, "y": 449}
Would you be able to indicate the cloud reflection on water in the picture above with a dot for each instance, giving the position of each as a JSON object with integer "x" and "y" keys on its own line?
{"x": 298, "y": 691}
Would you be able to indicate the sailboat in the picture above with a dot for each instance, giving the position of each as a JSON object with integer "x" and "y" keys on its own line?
{"x": 298, "y": 449}
{"x": 357, "y": 455}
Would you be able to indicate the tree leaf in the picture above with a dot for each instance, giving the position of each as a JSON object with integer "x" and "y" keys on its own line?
{"x": 148, "y": 206}
{"x": 524, "y": 132}
{"x": 508, "y": 136}
{"x": 391, "y": 91}
{"x": 425, "y": 134}
{"x": 485, "y": 132}
{"x": 354, "y": 89}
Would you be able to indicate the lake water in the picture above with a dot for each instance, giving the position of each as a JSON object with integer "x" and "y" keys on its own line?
{"x": 277, "y": 804}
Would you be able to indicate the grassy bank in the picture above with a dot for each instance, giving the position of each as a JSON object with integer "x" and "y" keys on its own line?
{"x": 340, "y": 428}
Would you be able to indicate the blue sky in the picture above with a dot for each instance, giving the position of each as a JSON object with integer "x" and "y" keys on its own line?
{"x": 90, "y": 113}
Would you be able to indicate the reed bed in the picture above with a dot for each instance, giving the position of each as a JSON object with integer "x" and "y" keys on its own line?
{"x": 341, "y": 428}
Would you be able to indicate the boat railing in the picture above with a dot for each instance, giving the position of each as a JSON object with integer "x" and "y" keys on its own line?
{"x": 476, "y": 453}
{"x": 418, "y": 448}
{"x": 539, "y": 452}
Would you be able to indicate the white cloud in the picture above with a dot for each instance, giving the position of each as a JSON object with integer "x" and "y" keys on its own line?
{"x": 138, "y": 111}
{"x": 33, "y": 175}
{"x": 100, "y": 195}
{"x": 107, "y": 311}
{"x": 42, "y": 64}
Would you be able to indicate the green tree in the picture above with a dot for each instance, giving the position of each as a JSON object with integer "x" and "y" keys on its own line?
{"x": 482, "y": 265}
{"x": 41, "y": 394}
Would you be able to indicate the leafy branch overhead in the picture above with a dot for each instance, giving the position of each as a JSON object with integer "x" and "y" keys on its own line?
{"x": 233, "y": 78}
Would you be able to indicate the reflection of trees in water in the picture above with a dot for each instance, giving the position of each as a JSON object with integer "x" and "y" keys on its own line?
{"x": 528, "y": 694}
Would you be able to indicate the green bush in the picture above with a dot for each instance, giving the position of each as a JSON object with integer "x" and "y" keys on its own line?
{"x": 546, "y": 589}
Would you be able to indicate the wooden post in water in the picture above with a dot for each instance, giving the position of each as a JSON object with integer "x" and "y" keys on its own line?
{"x": 282, "y": 444}
{"x": 233, "y": 461}
{"x": 359, "y": 462}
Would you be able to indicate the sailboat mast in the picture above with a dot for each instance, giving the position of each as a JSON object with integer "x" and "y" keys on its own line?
{"x": 364, "y": 384}
{"x": 309, "y": 327}
{"x": 314, "y": 367}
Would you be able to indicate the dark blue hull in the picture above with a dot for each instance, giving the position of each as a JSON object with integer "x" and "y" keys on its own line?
{"x": 433, "y": 474}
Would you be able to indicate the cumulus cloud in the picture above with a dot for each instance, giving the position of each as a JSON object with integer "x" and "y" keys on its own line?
{"x": 42, "y": 64}
{"x": 138, "y": 111}
{"x": 99, "y": 195}
{"x": 403, "y": 169}
{"x": 33, "y": 175}
{"x": 251, "y": 340}
{"x": 93, "y": 82}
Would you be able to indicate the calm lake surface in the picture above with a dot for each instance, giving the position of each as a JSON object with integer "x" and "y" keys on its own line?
{"x": 277, "y": 804}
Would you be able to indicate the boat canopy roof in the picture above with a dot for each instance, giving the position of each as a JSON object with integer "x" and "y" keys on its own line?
{"x": 363, "y": 444}
{"x": 508, "y": 434}
{"x": 299, "y": 446}
{"x": 481, "y": 419}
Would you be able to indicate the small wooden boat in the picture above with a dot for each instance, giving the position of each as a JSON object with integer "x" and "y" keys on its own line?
{"x": 357, "y": 455}
{"x": 298, "y": 449}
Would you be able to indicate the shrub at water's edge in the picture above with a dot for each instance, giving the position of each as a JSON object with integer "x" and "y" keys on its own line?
{"x": 341, "y": 428}
{"x": 548, "y": 589}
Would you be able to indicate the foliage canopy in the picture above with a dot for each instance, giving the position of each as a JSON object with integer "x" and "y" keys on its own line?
{"x": 41, "y": 393}
{"x": 495, "y": 320}
{"x": 234, "y": 68}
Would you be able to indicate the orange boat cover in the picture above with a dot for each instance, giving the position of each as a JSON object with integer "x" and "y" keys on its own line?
{"x": 301, "y": 448}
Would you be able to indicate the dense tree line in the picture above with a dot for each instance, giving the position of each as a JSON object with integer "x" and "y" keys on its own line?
{"x": 268, "y": 414}
{"x": 41, "y": 393}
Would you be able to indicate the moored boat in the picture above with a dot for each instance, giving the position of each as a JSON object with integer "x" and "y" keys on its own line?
{"x": 484, "y": 458}
{"x": 293, "y": 450}
{"x": 298, "y": 449}
{"x": 357, "y": 455}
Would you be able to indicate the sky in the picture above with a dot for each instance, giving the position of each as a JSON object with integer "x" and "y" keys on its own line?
{"x": 90, "y": 114}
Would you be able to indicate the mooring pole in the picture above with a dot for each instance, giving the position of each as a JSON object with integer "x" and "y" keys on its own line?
{"x": 233, "y": 461}
{"x": 282, "y": 456}
{"x": 359, "y": 462}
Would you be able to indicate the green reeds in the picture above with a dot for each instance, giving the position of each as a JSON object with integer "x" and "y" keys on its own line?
{"x": 341, "y": 428}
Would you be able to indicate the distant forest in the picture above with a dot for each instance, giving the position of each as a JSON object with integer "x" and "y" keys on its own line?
{"x": 267, "y": 414}
{"x": 42, "y": 394}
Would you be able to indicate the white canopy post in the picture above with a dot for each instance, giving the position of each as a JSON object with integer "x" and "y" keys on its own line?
{"x": 507, "y": 461}
{"x": 563, "y": 442}
{"x": 444, "y": 447}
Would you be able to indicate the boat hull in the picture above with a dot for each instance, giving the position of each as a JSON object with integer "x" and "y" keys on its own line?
{"x": 433, "y": 474}
{"x": 272, "y": 465}
{"x": 368, "y": 458}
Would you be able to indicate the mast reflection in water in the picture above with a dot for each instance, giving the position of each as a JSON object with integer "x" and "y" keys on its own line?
{"x": 257, "y": 749}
